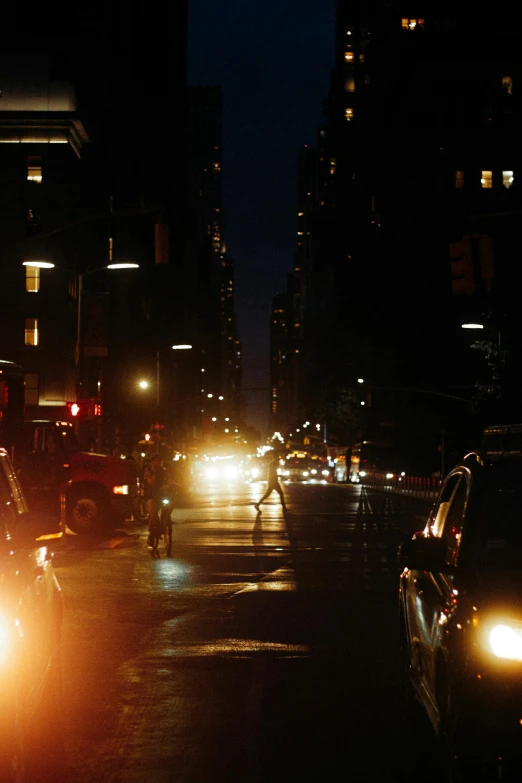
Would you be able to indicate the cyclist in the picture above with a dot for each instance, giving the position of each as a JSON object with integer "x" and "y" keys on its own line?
{"x": 154, "y": 479}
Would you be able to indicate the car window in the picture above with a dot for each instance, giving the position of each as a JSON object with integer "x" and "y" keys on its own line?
{"x": 442, "y": 508}
{"x": 452, "y": 530}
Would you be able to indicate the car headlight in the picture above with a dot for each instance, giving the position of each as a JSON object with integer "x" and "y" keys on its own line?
{"x": 313, "y": 471}
{"x": 389, "y": 475}
{"x": 211, "y": 473}
{"x": 505, "y": 640}
{"x": 305, "y": 473}
{"x": 362, "y": 473}
{"x": 326, "y": 472}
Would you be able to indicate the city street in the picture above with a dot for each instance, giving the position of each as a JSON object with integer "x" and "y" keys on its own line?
{"x": 265, "y": 648}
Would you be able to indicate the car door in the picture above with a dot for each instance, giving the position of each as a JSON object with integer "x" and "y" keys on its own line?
{"x": 437, "y": 602}
{"x": 28, "y": 595}
{"x": 429, "y": 595}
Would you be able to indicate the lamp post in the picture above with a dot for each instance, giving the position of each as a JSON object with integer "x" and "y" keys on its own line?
{"x": 179, "y": 347}
{"x": 81, "y": 275}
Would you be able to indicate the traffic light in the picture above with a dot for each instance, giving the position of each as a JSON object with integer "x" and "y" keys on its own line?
{"x": 74, "y": 409}
{"x": 84, "y": 409}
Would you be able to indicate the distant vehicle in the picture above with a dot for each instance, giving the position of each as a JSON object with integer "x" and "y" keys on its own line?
{"x": 460, "y": 600}
{"x": 370, "y": 457}
{"x": 30, "y": 634}
{"x": 295, "y": 469}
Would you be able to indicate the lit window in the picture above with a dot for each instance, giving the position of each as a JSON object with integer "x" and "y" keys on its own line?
{"x": 507, "y": 178}
{"x": 507, "y": 84}
{"x": 31, "y": 331}
{"x": 459, "y": 179}
{"x": 31, "y": 388}
{"x": 349, "y": 57}
{"x": 361, "y": 58}
{"x": 348, "y": 113}
{"x": 34, "y": 168}
{"x": 486, "y": 179}
{"x": 412, "y": 24}
{"x": 32, "y": 279}
{"x": 349, "y": 84}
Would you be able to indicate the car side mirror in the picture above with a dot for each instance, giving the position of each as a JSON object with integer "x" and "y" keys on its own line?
{"x": 34, "y": 524}
{"x": 424, "y": 553}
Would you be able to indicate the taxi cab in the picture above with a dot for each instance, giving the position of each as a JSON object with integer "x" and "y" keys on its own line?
{"x": 460, "y": 607}
{"x": 30, "y": 627}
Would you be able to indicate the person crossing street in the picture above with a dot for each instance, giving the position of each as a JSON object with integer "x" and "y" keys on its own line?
{"x": 273, "y": 483}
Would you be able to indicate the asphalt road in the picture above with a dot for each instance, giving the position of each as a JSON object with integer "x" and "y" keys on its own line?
{"x": 265, "y": 648}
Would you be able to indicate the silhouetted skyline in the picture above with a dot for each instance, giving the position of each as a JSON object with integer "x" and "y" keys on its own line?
{"x": 273, "y": 61}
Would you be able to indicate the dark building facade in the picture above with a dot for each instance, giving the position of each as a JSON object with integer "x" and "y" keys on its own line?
{"x": 115, "y": 192}
{"x": 414, "y": 222}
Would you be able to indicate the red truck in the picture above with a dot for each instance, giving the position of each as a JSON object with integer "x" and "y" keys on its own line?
{"x": 92, "y": 492}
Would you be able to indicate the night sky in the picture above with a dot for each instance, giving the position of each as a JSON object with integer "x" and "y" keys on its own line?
{"x": 272, "y": 59}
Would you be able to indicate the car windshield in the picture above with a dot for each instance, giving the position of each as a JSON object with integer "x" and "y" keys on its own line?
{"x": 499, "y": 540}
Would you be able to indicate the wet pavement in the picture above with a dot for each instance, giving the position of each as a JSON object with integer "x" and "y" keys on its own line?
{"x": 265, "y": 647}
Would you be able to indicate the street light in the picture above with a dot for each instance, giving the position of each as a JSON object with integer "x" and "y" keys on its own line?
{"x": 179, "y": 347}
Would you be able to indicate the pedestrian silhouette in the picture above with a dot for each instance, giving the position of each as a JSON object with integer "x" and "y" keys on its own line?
{"x": 273, "y": 483}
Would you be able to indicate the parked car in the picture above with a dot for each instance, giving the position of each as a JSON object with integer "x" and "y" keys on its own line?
{"x": 30, "y": 629}
{"x": 460, "y": 601}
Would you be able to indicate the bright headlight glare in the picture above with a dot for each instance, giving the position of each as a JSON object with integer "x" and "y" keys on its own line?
{"x": 305, "y": 473}
{"x": 4, "y": 638}
{"x": 362, "y": 473}
{"x": 505, "y": 641}
{"x": 211, "y": 473}
{"x": 325, "y": 472}
{"x": 230, "y": 472}
{"x": 255, "y": 473}
{"x": 313, "y": 471}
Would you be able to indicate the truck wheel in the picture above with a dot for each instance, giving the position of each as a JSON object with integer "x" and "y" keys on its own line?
{"x": 87, "y": 511}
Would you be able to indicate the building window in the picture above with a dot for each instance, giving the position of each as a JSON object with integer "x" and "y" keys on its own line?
{"x": 507, "y": 178}
{"x": 486, "y": 179}
{"x": 34, "y": 168}
{"x": 349, "y": 84}
{"x": 349, "y": 57}
{"x": 31, "y": 331}
{"x": 31, "y": 396}
{"x": 412, "y": 24}
{"x": 507, "y": 84}
{"x": 348, "y": 113}
{"x": 32, "y": 279}
{"x": 459, "y": 179}
{"x": 361, "y": 58}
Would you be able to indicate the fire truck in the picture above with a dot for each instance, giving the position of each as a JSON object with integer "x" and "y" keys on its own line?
{"x": 91, "y": 492}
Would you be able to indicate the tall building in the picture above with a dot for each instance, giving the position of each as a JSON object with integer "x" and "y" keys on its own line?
{"x": 124, "y": 201}
{"x": 210, "y": 290}
{"x": 415, "y": 230}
